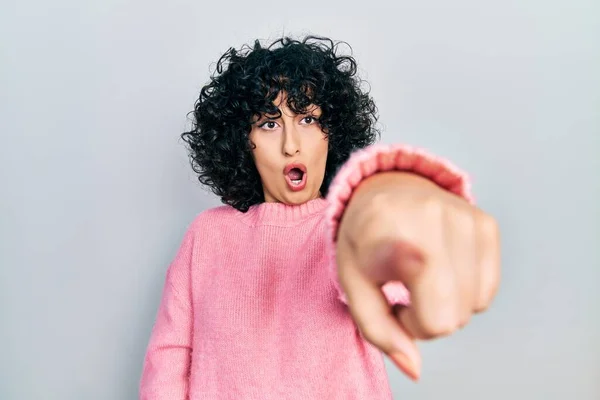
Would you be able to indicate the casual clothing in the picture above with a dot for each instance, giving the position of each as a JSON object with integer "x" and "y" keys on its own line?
{"x": 252, "y": 308}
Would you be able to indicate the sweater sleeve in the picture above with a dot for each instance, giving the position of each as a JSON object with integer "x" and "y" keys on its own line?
{"x": 167, "y": 363}
{"x": 379, "y": 158}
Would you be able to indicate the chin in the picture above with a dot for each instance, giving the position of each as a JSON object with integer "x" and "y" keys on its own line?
{"x": 298, "y": 198}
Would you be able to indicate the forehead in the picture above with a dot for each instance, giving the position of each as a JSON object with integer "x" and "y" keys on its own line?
{"x": 281, "y": 102}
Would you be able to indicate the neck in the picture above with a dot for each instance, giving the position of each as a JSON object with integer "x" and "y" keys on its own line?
{"x": 282, "y": 214}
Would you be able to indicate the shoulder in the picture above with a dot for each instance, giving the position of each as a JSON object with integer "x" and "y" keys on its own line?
{"x": 210, "y": 226}
{"x": 212, "y": 219}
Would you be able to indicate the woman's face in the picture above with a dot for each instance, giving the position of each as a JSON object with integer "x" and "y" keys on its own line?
{"x": 290, "y": 154}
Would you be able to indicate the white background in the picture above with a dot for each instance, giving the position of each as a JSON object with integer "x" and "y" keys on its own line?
{"x": 96, "y": 190}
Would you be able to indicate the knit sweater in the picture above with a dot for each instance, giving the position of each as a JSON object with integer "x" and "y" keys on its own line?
{"x": 252, "y": 308}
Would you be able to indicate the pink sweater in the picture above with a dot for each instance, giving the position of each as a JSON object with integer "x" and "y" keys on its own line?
{"x": 252, "y": 309}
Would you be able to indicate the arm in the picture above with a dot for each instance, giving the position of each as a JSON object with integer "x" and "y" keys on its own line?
{"x": 406, "y": 219}
{"x": 167, "y": 363}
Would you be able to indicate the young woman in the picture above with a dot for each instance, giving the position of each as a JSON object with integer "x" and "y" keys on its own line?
{"x": 329, "y": 251}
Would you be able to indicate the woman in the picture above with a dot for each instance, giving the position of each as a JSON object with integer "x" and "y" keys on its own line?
{"x": 295, "y": 287}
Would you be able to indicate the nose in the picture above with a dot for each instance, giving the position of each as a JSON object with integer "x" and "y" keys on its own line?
{"x": 291, "y": 141}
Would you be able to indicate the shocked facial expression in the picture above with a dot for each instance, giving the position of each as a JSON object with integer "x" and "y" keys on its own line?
{"x": 290, "y": 152}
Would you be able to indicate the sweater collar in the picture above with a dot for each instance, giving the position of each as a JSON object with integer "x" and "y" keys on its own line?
{"x": 282, "y": 214}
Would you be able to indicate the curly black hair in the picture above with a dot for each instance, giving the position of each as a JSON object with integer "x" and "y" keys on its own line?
{"x": 244, "y": 86}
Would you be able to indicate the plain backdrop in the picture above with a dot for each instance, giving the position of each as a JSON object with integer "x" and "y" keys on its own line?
{"x": 96, "y": 190}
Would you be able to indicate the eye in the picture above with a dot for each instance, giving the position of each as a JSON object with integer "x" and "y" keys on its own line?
{"x": 309, "y": 120}
{"x": 268, "y": 125}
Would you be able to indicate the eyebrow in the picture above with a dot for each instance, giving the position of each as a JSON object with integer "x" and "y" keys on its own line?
{"x": 310, "y": 110}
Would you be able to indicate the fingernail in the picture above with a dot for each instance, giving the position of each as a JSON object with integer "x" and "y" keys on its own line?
{"x": 406, "y": 365}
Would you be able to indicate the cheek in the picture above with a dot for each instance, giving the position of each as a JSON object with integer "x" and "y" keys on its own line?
{"x": 323, "y": 150}
{"x": 319, "y": 149}
{"x": 259, "y": 161}
{"x": 258, "y": 151}
{"x": 264, "y": 161}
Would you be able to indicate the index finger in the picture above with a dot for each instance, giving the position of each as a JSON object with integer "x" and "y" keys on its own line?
{"x": 376, "y": 320}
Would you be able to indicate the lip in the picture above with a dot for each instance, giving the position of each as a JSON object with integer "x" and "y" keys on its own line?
{"x": 286, "y": 171}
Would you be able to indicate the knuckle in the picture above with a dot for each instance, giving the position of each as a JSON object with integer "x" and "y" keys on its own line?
{"x": 485, "y": 299}
{"x": 467, "y": 226}
{"x": 433, "y": 209}
{"x": 489, "y": 226}
{"x": 442, "y": 325}
{"x": 371, "y": 333}
{"x": 368, "y": 330}
{"x": 444, "y": 293}
{"x": 481, "y": 306}
{"x": 439, "y": 329}
{"x": 464, "y": 320}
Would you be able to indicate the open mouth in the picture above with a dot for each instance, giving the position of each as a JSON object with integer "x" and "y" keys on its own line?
{"x": 295, "y": 176}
